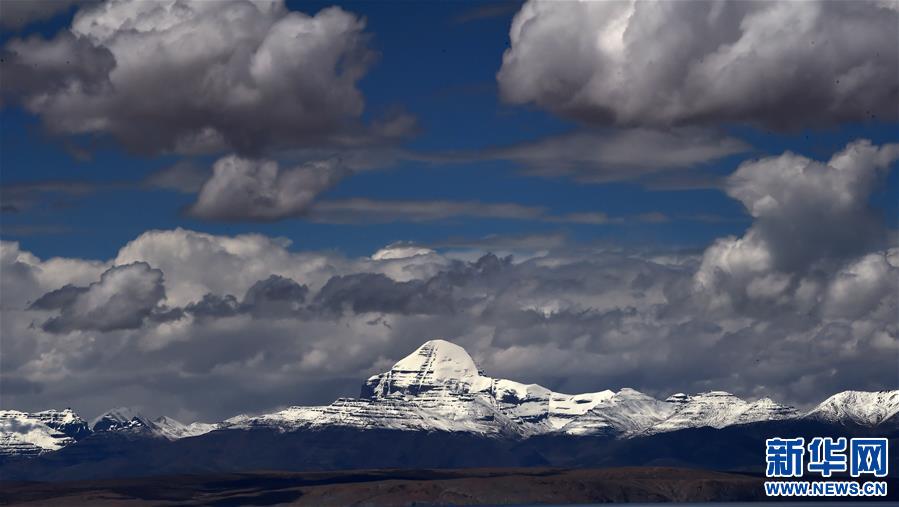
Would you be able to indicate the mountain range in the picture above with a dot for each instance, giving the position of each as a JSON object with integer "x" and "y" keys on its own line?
{"x": 439, "y": 392}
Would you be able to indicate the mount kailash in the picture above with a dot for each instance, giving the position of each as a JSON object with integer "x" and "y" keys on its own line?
{"x": 439, "y": 388}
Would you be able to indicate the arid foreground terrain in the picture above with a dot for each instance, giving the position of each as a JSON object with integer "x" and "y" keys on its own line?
{"x": 396, "y": 487}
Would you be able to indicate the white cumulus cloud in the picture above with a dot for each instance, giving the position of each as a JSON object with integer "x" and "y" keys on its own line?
{"x": 198, "y": 76}
{"x": 658, "y": 63}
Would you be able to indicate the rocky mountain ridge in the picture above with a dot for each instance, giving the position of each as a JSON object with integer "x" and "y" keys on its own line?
{"x": 439, "y": 387}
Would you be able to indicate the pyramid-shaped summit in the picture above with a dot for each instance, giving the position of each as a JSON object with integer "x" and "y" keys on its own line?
{"x": 442, "y": 380}
{"x": 439, "y": 387}
{"x": 435, "y": 365}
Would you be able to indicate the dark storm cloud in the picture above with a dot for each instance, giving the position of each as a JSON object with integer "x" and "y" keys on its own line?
{"x": 19, "y": 386}
{"x": 122, "y": 298}
{"x": 53, "y": 66}
{"x": 275, "y": 296}
{"x": 655, "y": 63}
{"x": 374, "y": 292}
{"x": 59, "y": 298}
{"x": 127, "y": 295}
{"x": 214, "y": 306}
{"x": 250, "y": 76}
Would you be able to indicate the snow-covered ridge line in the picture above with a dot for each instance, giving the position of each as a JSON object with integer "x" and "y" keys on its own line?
{"x": 27, "y": 434}
{"x": 128, "y": 420}
{"x": 32, "y": 434}
{"x": 439, "y": 387}
{"x": 859, "y": 407}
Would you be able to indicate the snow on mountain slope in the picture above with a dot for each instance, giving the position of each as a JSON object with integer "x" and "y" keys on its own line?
{"x": 718, "y": 409}
{"x": 130, "y": 421}
{"x": 626, "y": 412}
{"x": 122, "y": 419}
{"x": 537, "y": 409}
{"x": 65, "y": 421}
{"x": 858, "y": 407}
{"x": 377, "y": 414}
{"x": 441, "y": 379}
{"x": 437, "y": 365}
{"x": 24, "y": 434}
{"x": 174, "y": 430}
{"x": 767, "y": 409}
{"x": 439, "y": 387}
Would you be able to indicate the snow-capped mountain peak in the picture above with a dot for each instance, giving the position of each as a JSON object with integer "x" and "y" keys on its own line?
{"x": 439, "y": 387}
{"x": 858, "y": 407}
{"x": 121, "y": 419}
{"x": 435, "y": 365}
{"x": 65, "y": 421}
{"x": 444, "y": 360}
{"x": 27, "y": 434}
{"x": 131, "y": 421}
{"x": 173, "y": 429}
{"x": 626, "y": 412}
{"x": 64, "y": 416}
{"x": 718, "y": 409}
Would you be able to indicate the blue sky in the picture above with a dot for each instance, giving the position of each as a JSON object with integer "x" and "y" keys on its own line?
{"x": 440, "y": 67}
{"x": 711, "y": 177}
